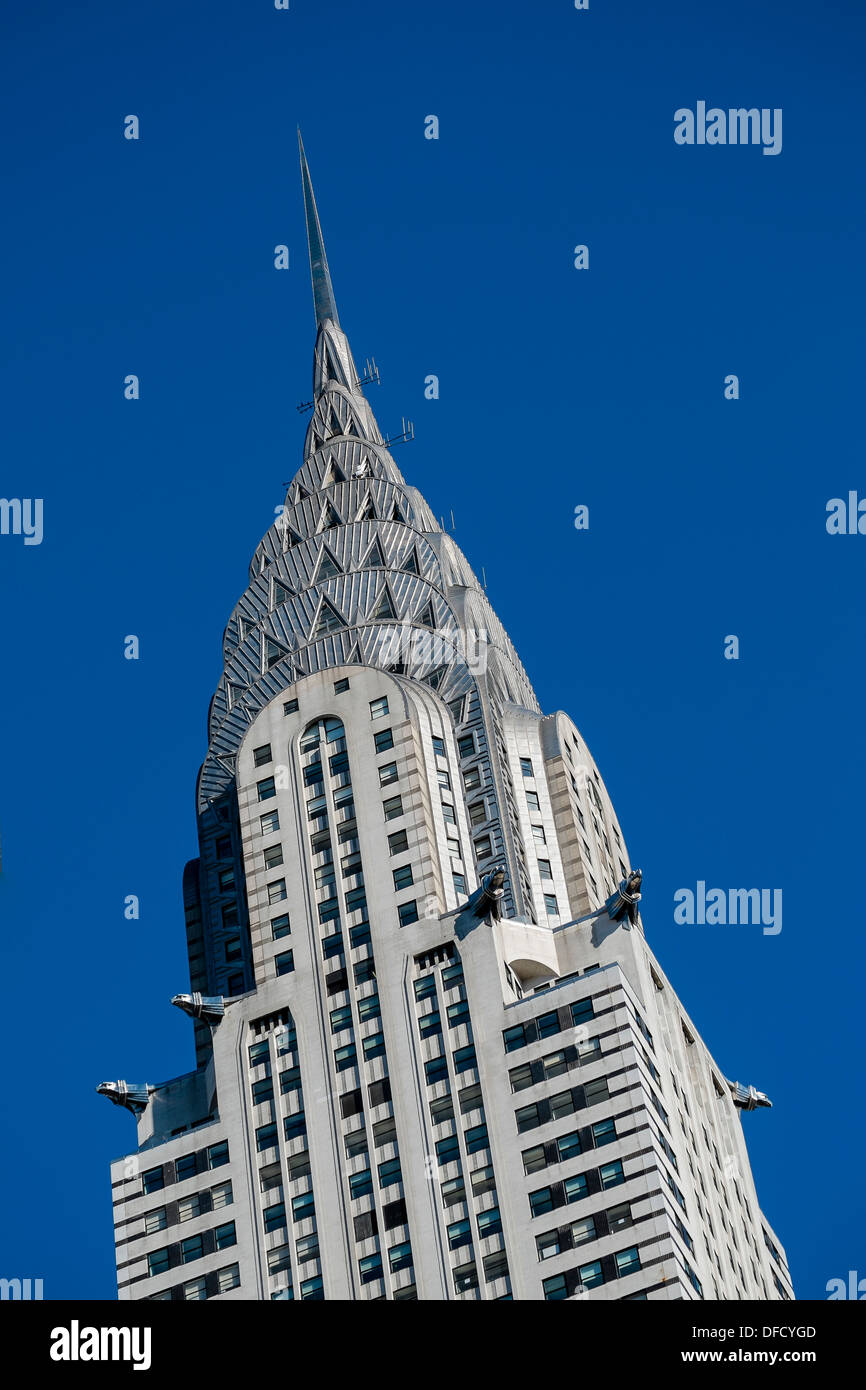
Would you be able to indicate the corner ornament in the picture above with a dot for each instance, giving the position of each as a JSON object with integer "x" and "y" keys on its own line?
{"x": 747, "y": 1098}
{"x": 623, "y": 904}
{"x": 209, "y": 1007}
{"x": 132, "y": 1095}
{"x": 489, "y": 899}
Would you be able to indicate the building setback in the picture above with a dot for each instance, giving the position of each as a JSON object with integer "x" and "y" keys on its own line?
{"x": 436, "y": 1058}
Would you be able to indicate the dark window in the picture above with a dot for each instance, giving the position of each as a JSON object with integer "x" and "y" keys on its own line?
{"x": 465, "y": 1278}
{"x": 430, "y": 1025}
{"x": 263, "y": 1090}
{"x": 436, "y": 1070}
{"x": 447, "y": 1150}
{"x": 459, "y": 1233}
{"x": 489, "y": 1223}
{"x": 285, "y": 963}
{"x": 356, "y": 1143}
{"x": 389, "y": 1172}
{"x": 365, "y": 1225}
{"x": 541, "y": 1201}
{"x": 476, "y": 1139}
{"x": 186, "y": 1167}
{"x": 379, "y": 1091}
{"x": 360, "y": 1184}
{"x": 371, "y": 1268}
{"x": 303, "y": 1206}
{"x": 266, "y": 1137}
{"x": 153, "y": 1180}
{"x": 458, "y": 1013}
{"x": 581, "y": 1010}
{"x": 191, "y": 1249}
{"x": 394, "y": 1214}
{"x": 548, "y": 1024}
{"x": 295, "y": 1126}
{"x": 403, "y": 879}
{"x": 351, "y": 1103}
{"x": 604, "y": 1132}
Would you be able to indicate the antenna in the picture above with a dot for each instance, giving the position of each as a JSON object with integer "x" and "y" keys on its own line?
{"x": 452, "y": 518}
{"x": 408, "y": 433}
{"x": 484, "y": 577}
{"x": 304, "y": 407}
{"x": 371, "y": 374}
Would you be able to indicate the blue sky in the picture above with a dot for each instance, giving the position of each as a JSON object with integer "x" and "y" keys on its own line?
{"x": 558, "y": 388}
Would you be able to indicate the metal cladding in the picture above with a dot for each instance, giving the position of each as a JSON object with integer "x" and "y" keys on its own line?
{"x": 132, "y": 1095}
{"x": 747, "y": 1098}
{"x": 209, "y": 1007}
{"x": 355, "y": 569}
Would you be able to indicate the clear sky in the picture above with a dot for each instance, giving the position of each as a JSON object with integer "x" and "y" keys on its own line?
{"x": 558, "y": 387}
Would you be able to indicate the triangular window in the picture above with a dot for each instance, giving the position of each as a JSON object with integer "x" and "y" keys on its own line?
{"x": 384, "y": 606}
{"x": 274, "y": 652}
{"x": 329, "y": 620}
{"x": 334, "y": 426}
{"x": 435, "y": 678}
{"x": 367, "y": 511}
{"x": 374, "y": 559}
{"x": 280, "y": 594}
{"x": 333, "y": 474}
{"x": 456, "y": 708}
{"x": 245, "y": 627}
{"x": 425, "y": 617}
{"x": 396, "y": 514}
{"x": 410, "y": 565}
{"x": 329, "y": 518}
{"x": 332, "y": 371}
{"x": 354, "y": 658}
{"x": 326, "y": 568}
{"x": 299, "y": 493}
{"x": 292, "y": 538}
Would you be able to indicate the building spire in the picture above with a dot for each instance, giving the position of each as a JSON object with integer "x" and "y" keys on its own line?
{"x": 323, "y": 290}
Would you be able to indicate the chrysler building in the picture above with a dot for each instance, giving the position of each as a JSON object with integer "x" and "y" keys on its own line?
{"x": 436, "y": 1057}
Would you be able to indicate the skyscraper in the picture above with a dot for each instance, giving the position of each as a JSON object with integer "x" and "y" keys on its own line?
{"x": 436, "y": 1057}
